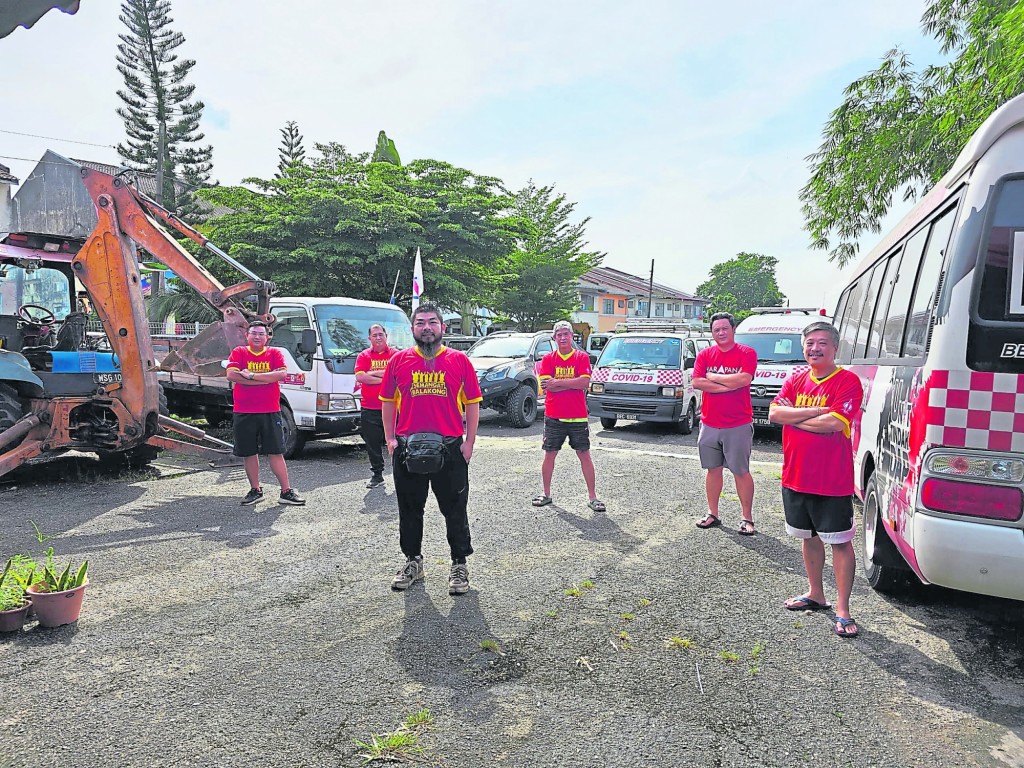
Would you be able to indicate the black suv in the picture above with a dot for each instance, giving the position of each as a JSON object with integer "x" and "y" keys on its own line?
{"x": 506, "y": 364}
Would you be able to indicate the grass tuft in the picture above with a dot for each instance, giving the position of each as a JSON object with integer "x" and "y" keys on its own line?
{"x": 679, "y": 642}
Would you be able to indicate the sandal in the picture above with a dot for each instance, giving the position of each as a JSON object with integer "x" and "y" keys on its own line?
{"x": 804, "y": 603}
{"x": 597, "y": 505}
{"x": 746, "y": 528}
{"x": 845, "y": 627}
{"x": 541, "y": 501}
{"x": 709, "y": 521}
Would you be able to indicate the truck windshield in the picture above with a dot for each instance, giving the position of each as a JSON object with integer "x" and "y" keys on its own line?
{"x": 501, "y": 346}
{"x": 641, "y": 352}
{"x": 774, "y": 347}
{"x": 345, "y": 330}
{"x": 47, "y": 288}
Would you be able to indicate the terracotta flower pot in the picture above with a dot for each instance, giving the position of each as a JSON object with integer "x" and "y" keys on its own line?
{"x": 54, "y": 609}
{"x": 14, "y": 619}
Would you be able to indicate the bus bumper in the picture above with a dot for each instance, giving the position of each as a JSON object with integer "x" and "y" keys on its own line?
{"x": 973, "y": 557}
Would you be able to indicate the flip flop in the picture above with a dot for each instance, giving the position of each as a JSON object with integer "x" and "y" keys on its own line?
{"x": 541, "y": 501}
{"x": 746, "y": 528}
{"x": 597, "y": 505}
{"x": 709, "y": 521}
{"x": 845, "y": 627}
{"x": 804, "y": 603}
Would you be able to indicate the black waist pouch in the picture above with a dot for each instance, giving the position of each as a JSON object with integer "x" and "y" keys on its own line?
{"x": 425, "y": 452}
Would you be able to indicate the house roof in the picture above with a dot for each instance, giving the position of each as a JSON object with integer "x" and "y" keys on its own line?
{"x": 5, "y": 175}
{"x": 609, "y": 280}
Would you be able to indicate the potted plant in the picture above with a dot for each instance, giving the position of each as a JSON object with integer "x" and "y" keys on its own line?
{"x": 57, "y": 599}
{"x": 14, "y": 603}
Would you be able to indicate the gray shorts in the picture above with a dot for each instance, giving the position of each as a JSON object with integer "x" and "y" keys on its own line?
{"x": 726, "y": 447}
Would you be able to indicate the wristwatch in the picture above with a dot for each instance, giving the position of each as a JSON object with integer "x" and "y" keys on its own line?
{"x": 252, "y": 376}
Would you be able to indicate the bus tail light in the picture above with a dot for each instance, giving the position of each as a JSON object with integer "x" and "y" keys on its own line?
{"x": 994, "y": 502}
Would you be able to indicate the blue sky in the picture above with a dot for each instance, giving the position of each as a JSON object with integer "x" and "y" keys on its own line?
{"x": 680, "y": 128}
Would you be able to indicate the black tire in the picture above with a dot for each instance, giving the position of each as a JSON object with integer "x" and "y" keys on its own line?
{"x": 11, "y": 411}
{"x": 608, "y": 422}
{"x": 294, "y": 438}
{"x": 522, "y": 406}
{"x": 685, "y": 425}
{"x": 215, "y": 417}
{"x": 878, "y": 548}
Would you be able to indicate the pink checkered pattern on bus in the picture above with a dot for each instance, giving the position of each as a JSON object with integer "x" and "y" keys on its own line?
{"x": 626, "y": 376}
{"x": 969, "y": 409}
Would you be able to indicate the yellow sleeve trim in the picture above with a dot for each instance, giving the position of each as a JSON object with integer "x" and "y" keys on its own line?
{"x": 474, "y": 400}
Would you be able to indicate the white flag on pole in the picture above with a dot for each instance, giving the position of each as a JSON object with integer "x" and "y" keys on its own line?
{"x": 417, "y": 281}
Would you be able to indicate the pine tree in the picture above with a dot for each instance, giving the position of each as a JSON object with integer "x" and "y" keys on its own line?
{"x": 292, "y": 152}
{"x": 160, "y": 116}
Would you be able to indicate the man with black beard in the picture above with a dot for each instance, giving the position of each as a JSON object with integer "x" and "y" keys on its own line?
{"x": 436, "y": 395}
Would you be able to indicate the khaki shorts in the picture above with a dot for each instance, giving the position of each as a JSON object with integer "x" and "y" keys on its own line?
{"x": 726, "y": 447}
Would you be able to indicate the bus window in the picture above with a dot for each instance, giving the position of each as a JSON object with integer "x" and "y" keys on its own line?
{"x": 882, "y": 305}
{"x": 896, "y": 317}
{"x": 848, "y": 328}
{"x": 870, "y": 299}
{"x": 995, "y": 301}
{"x": 927, "y": 286}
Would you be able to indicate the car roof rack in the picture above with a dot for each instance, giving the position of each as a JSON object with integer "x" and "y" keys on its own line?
{"x": 786, "y": 310}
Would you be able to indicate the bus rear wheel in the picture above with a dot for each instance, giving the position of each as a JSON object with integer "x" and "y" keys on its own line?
{"x": 879, "y": 551}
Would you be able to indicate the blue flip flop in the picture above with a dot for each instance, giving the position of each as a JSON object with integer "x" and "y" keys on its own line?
{"x": 804, "y": 603}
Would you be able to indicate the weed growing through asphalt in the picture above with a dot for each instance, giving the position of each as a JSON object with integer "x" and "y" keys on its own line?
{"x": 730, "y": 496}
{"x": 551, "y": 614}
{"x": 644, "y": 602}
{"x": 679, "y": 642}
{"x": 754, "y": 670}
{"x": 492, "y": 646}
{"x": 625, "y": 641}
{"x": 587, "y": 584}
{"x": 627, "y": 616}
{"x": 399, "y": 745}
{"x": 758, "y": 651}
{"x": 729, "y": 656}
{"x": 798, "y": 625}
{"x": 574, "y": 591}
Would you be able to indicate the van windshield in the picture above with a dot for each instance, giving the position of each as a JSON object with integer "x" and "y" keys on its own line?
{"x": 345, "y": 330}
{"x": 774, "y": 347}
{"x": 641, "y": 352}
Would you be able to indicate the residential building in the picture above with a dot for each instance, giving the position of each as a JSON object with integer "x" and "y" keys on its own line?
{"x": 609, "y": 296}
{"x": 6, "y": 182}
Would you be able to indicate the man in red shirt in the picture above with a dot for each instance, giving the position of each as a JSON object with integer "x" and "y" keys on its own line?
{"x": 816, "y": 408}
{"x": 564, "y": 376}
{"x": 432, "y": 389}
{"x": 723, "y": 373}
{"x": 255, "y": 371}
{"x": 369, "y": 369}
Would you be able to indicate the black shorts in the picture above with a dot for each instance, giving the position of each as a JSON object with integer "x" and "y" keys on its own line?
{"x": 556, "y": 431}
{"x": 259, "y": 433}
{"x": 828, "y": 517}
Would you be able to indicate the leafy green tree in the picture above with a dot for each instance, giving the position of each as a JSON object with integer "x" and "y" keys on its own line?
{"x": 181, "y": 302}
{"x": 899, "y": 129}
{"x": 385, "y": 151}
{"x": 161, "y": 118}
{"x": 535, "y": 284}
{"x": 291, "y": 152}
{"x": 343, "y": 225}
{"x": 736, "y": 285}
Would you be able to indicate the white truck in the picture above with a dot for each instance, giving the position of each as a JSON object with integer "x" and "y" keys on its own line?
{"x": 320, "y": 339}
{"x": 774, "y": 333}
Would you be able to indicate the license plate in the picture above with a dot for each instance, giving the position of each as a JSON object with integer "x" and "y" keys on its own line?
{"x": 107, "y": 378}
{"x": 762, "y": 423}
{"x": 627, "y": 417}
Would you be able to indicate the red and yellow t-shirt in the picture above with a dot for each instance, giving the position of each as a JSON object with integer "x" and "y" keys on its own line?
{"x": 431, "y": 395}
{"x": 257, "y": 398}
{"x": 814, "y": 463}
{"x": 369, "y": 361}
{"x": 725, "y": 410}
{"x": 566, "y": 403}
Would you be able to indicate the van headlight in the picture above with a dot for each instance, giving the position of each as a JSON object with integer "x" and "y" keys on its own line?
{"x": 596, "y": 388}
{"x": 668, "y": 391}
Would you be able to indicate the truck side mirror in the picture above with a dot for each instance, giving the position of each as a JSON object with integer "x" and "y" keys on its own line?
{"x": 593, "y": 359}
{"x": 688, "y": 363}
{"x": 307, "y": 346}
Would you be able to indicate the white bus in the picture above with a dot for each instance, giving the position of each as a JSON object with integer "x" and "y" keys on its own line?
{"x": 933, "y": 323}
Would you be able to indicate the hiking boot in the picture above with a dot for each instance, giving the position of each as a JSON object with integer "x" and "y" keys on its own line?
{"x": 376, "y": 481}
{"x": 291, "y": 497}
{"x": 254, "y": 495}
{"x": 458, "y": 579}
{"x": 411, "y": 572}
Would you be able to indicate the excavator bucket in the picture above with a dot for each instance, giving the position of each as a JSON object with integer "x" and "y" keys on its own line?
{"x": 205, "y": 354}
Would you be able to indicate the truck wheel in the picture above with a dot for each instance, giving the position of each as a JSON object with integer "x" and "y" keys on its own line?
{"x": 11, "y": 411}
{"x": 522, "y": 406}
{"x": 685, "y": 424}
{"x": 294, "y": 439}
{"x": 608, "y": 422}
{"x": 878, "y": 547}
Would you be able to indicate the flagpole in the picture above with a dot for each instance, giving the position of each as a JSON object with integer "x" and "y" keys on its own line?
{"x": 417, "y": 281}
{"x": 395, "y": 286}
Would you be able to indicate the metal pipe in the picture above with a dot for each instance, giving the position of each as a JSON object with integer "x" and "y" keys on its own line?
{"x": 237, "y": 265}
{"x": 19, "y": 429}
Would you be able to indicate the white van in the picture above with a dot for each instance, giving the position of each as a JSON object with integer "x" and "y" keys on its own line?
{"x": 774, "y": 333}
{"x": 647, "y": 376}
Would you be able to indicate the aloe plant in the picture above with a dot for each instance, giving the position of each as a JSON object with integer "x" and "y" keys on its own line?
{"x": 68, "y": 579}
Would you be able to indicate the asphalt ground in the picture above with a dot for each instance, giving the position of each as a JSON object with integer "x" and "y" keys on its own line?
{"x": 217, "y": 635}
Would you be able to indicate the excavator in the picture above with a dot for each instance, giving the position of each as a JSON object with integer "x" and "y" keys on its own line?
{"x": 62, "y": 388}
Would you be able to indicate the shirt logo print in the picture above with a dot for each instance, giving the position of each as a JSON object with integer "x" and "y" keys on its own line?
{"x": 428, "y": 383}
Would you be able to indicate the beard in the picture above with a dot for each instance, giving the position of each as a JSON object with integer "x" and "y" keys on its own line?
{"x": 429, "y": 347}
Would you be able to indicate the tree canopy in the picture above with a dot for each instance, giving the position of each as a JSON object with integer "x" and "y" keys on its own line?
{"x": 343, "y": 225}
{"x": 291, "y": 152}
{"x": 743, "y": 282}
{"x": 899, "y": 129}
{"x": 535, "y": 284}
